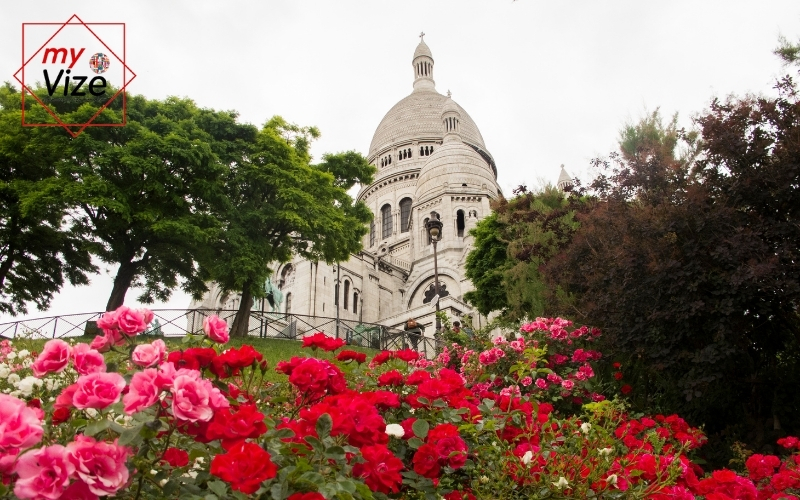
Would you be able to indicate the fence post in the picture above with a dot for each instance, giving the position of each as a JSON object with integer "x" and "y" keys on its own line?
{"x": 16, "y": 325}
{"x": 55, "y": 325}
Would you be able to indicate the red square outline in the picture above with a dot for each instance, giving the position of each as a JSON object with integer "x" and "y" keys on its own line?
{"x": 60, "y": 123}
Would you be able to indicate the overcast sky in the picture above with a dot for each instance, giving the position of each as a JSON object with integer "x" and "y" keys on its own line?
{"x": 547, "y": 81}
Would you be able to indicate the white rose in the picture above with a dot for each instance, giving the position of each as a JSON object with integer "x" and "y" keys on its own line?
{"x": 27, "y": 384}
{"x": 24, "y": 353}
{"x": 562, "y": 482}
{"x": 585, "y": 427}
{"x": 395, "y": 430}
{"x": 526, "y": 458}
{"x": 13, "y": 379}
{"x": 605, "y": 451}
{"x": 11, "y": 356}
{"x": 612, "y": 479}
{"x": 5, "y": 371}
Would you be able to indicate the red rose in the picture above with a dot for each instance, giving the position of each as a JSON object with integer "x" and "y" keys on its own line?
{"x": 618, "y": 375}
{"x": 232, "y": 427}
{"x": 460, "y": 495}
{"x": 381, "y": 469}
{"x": 306, "y": 496}
{"x": 626, "y": 389}
{"x": 426, "y": 461}
{"x": 203, "y": 355}
{"x": 315, "y": 377}
{"x": 176, "y": 457}
{"x": 407, "y": 355}
{"x": 231, "y": 361}
{"x": 380, "y": 358}
{"x": 393, "y": 377}
{"x": 322, "y": 341}
{"x": 358, "y": 357}
{"x": 418, "y": 377}
{"x": 245, "y": 467}
{"x": 60, "y": 415}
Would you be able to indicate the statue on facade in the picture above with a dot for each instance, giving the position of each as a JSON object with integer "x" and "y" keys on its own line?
{"x": 274, "y": 296}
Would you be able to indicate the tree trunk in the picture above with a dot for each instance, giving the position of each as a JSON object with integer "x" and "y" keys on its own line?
{"x": 122, "y": 281}
{"x": 241, "y": 323}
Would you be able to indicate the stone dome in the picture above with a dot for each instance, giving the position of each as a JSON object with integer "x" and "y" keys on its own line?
{"x": 418, "y": 117}
{"x": 423, "y": 50}
{"x": 455, "y": 163}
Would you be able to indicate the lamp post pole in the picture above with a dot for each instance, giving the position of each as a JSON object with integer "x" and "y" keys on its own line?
{"x": 434, "y": 227}
{"x": 336, "y": 293}
{"x": 436, "y": 284}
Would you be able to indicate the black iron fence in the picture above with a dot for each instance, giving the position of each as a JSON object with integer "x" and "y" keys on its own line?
{"x": 177, "y": 322}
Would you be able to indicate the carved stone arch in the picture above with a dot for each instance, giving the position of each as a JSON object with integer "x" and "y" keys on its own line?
{"x": 421, "y": 284}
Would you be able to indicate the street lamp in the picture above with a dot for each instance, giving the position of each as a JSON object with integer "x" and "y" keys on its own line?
{"x": 434, "y": 227}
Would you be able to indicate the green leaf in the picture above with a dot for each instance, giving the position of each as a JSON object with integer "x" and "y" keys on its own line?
{"x": 335, "y": 453}
{"x": 420, "y": 428}
{"x": 96, "y": 426}
{"x": 218, "y": 487}
{"x": 415, "y": 442}
{"x": 324, "y": 426}
{"x": 313, "y": 478}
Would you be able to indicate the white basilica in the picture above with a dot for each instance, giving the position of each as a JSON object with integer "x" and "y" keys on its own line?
{"x": 430, "y": 159}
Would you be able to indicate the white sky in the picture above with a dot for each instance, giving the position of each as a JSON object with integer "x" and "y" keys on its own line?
{"x": 547, "y": 81}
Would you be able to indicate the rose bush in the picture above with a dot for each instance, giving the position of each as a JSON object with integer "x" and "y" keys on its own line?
{"x": 512, "y": 418}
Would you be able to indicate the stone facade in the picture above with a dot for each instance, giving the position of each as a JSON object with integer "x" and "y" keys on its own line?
{"x": 430, "y": 157}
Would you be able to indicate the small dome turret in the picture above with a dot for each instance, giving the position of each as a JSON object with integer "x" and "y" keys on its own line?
{"x": 423, "y": 66}
{"x": 451, "y": 120}
{"x": 564, "y": 180}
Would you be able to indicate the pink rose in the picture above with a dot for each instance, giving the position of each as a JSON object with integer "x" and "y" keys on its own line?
{"x": 195, "y": 400}
{"x": 101, "y": 343}
{"x": 568, "y": 384}
{"x": 44, "y": 473}
{"x": 143, "y": 391}
{"x": 145, "y": 355}
{"x": 541, "y": 383}
{"x": 216, "y": 328}
{"x": 98, "y": 390}
{"x": 100, "y": 465}
{"x": 166, "y": 374}
{"x": 133, "y": 321}
{"x": 79, "y": 491}
{"x": 8, "y": 461}
{"x": 54, "y": 358}
{"x": 20, "y": 426}
{"x": 64, "y": 400}
{"x": 108, "y": 321}
{"x": 526, "y": 381}
{"x": 87, "y": 360}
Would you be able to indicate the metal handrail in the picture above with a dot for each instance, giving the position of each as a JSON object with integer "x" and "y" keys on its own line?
{"x": 261, "y": 324}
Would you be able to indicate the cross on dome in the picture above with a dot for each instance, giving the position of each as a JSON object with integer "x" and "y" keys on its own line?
{"x": 422, "y": 36}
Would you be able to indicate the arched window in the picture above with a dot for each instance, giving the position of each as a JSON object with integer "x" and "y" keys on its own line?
{"x": 355, "y": 302}
{"x": 346, "y": 293}
{"x": 372, "y": 232}
{"x": 421, "y": 151}
{"x": 460, "y": 223}
{"x": 386, "y": 221}
{"x": 288, "y": 303}
{"x": 405, "y": 214}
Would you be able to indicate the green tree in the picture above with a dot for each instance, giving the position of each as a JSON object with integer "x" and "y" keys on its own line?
{"x": 511, "y": 245}
{"x": 279, "y": 205}
{"x": 692, "y": 270}
{"x": 146, "y": 192}
{"x": 39, "y": 248}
